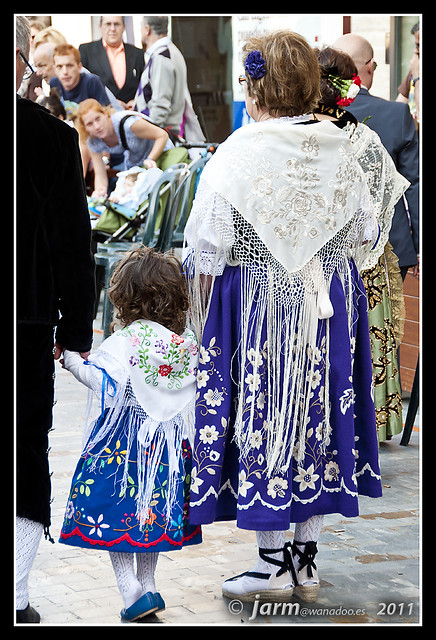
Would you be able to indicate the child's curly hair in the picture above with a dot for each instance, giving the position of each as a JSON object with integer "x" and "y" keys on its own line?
{"x": 150, "y": 285}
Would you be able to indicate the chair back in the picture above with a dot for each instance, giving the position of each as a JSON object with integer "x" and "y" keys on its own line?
{"x": 165, "y": 237}
{"x": 170, "y": 157}
{"x": 186, "y": 200}
{"x": 160, "y": 204}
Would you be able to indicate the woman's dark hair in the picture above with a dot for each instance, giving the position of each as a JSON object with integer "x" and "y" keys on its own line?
{"x": 336, "y": 63}
{"x": 150, "y": 285}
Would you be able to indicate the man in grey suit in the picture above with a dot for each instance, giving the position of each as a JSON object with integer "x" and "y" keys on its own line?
{"x": 162, "y": 90}
{"x": 118, "y": 64}
{"x": 394, "y": 124}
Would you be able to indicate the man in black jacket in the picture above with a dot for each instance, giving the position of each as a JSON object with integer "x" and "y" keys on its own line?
{"x": 118, "y": 64}
{"x": 55, "y": 295}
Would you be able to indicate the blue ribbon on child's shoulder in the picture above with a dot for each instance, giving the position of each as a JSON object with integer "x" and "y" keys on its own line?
{"x": 106, "y": 382}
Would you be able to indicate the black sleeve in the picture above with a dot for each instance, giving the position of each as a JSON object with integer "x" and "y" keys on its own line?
{"x": 55, "y": 282}
{"x": 70, "y": 241}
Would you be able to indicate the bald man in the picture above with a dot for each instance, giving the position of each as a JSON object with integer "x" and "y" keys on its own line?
{"x": 44, "y": 65}
{"x": 394, "y": 124}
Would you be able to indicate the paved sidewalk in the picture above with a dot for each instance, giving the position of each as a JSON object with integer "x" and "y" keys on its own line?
{"x": 369, "y": 565}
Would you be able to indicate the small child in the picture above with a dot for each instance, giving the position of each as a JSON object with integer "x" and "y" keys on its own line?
{"x": 53, "y": 103}
{"x": 133, "y": 186}
{"x": 130, "y": 489}
{"x": 126, "y": 192}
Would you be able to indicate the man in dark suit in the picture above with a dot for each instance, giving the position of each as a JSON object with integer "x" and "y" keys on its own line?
{"x": 393, "y": 122}
{"x": 117, "y": 63}
{"x": 55, "y": 297}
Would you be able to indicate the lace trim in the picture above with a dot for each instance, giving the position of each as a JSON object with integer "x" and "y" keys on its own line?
{"x": 385, "y": 184}
{"x": 210, "y": 265}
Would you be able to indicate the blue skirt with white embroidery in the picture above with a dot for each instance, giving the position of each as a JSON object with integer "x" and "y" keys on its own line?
{"x": 228, "y": 485}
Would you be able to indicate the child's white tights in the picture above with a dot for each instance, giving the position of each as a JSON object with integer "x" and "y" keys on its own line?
{"x": 132, "y": 586}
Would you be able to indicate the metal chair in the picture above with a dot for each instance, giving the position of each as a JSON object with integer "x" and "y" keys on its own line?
{"x": 172, "y": 235}
{"x": 159, "y": 208}
{"x": 161, "y": 205}
{"x": 165, "y": 237}
{"x": 188, "y": 195}
{"x": 412, "y": 410}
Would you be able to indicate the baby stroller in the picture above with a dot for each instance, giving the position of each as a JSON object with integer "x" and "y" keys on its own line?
{"x": 124, "y": 203}
{"x": 114, "y": 221}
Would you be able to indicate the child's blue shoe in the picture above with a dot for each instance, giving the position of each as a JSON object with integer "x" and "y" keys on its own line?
{"x": 143, "y": 607}
{"x": 160, "y": 602}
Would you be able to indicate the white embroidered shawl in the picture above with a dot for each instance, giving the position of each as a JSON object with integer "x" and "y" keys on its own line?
{"x": 297, "y": 185}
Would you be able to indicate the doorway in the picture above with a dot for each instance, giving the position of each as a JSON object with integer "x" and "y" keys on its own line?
{"x": 206, "y": 44}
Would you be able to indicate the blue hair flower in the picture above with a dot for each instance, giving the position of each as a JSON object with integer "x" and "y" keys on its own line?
{"x": 255, "y": 65}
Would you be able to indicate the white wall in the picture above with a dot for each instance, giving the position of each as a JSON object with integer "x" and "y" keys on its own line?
{"x": 374, "y": 28}
{"x": 76, "y": 27}
{"x": 317, "y": 29}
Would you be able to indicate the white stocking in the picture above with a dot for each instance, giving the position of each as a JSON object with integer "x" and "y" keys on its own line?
{"x": 309, "y": 530}
{"x": 27, "y": 538}
{"x": 146, "y": 567}
{"x": 128, "y": 584}
{"x": 270, "y": 540}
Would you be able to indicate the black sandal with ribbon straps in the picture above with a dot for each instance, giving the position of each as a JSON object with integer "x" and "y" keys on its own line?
{"x": 280, "y": 586}
{"x": 307, "y": 581}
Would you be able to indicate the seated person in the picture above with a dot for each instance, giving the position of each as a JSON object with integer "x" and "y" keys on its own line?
{"x": 76, "y": 86}
{"x": 44, "y": 66}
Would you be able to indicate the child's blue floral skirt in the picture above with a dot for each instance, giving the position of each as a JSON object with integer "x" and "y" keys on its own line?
{"x": 101, "y": 515}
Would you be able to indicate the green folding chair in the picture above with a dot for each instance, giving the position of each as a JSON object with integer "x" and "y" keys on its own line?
{"x": 160, "y": 201}
{"x": 190, "y": 187}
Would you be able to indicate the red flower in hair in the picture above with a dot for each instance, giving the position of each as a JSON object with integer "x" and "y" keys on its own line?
{"x": 357, "y": 80}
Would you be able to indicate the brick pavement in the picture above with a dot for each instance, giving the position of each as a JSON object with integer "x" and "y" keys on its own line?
{"x": 369, "y": 563}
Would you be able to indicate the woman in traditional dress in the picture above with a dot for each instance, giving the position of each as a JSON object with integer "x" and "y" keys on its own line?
{"x": 381, "y": 273}
{"x": 285, "y": 420}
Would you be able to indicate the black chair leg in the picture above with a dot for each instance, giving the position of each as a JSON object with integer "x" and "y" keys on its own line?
{"x": 413, "y": 408}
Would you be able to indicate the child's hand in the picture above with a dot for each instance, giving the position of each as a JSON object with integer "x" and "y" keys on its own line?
{"x": 99, "y": 193}
{"x": 82, "y": 354}
{"x": 113, "y": 198}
